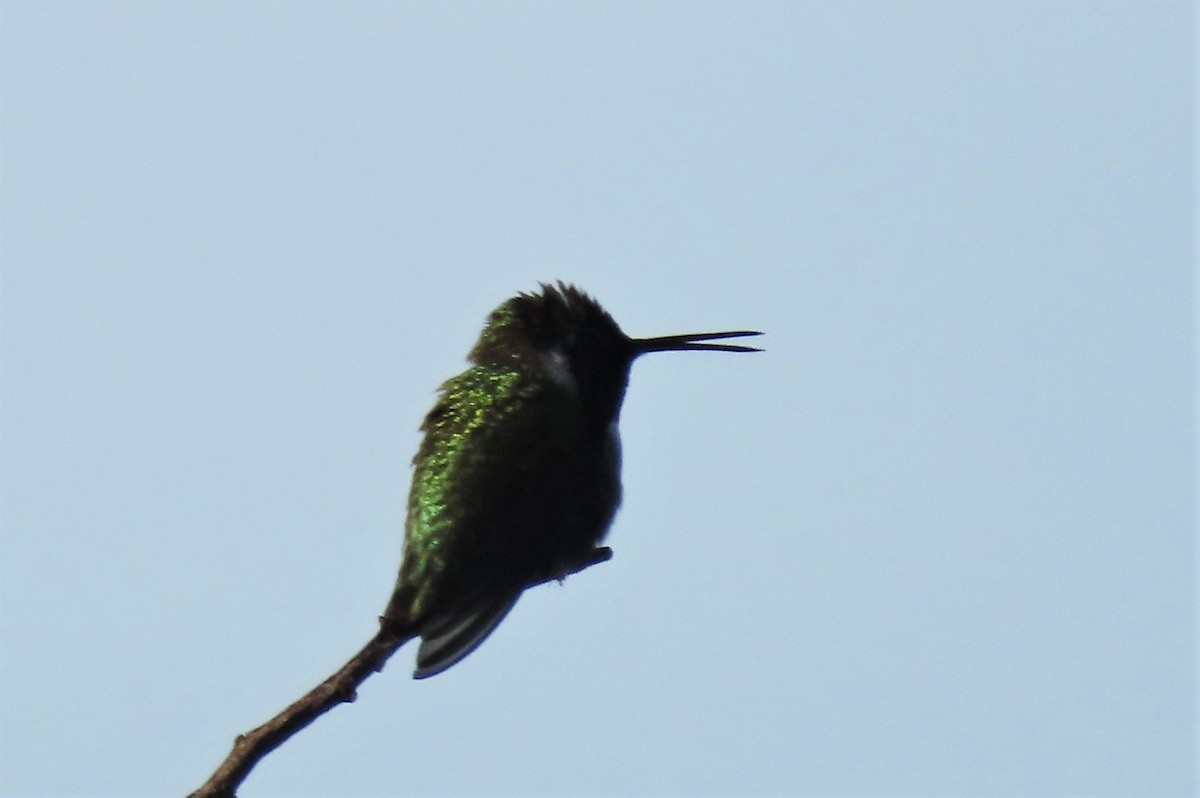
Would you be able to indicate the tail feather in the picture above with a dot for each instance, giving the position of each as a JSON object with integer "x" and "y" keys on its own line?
{"x": 453, "y": 636}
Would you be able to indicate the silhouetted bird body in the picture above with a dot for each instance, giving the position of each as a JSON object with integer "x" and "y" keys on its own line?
{"x": 518, "y": 476}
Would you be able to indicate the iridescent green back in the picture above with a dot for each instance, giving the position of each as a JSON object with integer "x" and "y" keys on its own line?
{"x": 495, "y": 432}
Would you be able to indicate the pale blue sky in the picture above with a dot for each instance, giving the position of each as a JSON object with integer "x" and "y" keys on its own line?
{"x": 937, "y": 540}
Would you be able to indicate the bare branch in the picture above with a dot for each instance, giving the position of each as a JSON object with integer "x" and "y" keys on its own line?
{"x": 339, "y": 688}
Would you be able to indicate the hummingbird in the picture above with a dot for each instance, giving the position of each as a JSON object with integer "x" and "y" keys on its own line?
{"x": 517, "y": 478}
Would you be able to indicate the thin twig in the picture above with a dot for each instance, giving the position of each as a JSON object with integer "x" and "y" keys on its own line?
{"x": 339, "y": 688}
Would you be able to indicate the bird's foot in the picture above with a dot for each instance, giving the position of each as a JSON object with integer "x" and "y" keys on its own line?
{"x": 593, "y": 557}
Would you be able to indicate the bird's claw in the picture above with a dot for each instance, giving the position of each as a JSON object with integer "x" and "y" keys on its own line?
{"x": 593, "y": 557}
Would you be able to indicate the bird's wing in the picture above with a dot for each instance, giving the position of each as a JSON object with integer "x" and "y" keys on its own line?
{"x": 469, "y": 539}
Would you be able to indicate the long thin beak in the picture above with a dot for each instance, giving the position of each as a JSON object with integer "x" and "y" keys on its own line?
{"x": 688, "y": 343}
